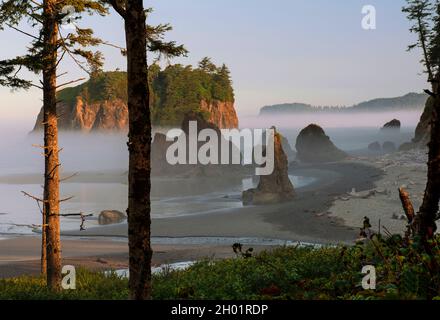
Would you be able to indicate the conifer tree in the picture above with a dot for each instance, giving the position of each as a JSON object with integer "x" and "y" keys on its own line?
{"x": 426, "y": 22}
{"x": 49, "y": 44}
{"x": 140, "y": 38}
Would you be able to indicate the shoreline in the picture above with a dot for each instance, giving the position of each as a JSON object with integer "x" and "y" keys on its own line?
{"x": 306, "y": 219}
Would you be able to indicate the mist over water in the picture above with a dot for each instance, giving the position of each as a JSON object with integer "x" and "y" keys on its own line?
{"x": 81, "y": 152}
{"x": 101, "y": 155}
{"x": 332, "y": 120}
{"x": 349, "y": 131}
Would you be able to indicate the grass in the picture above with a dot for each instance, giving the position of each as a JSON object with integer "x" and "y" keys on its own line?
{"x": 328, "y": 273}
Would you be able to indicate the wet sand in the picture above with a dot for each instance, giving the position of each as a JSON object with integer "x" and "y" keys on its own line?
{"x": 306, "y": 219}
{"x": 20, "y": 256}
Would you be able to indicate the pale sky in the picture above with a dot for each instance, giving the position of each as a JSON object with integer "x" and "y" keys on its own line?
{"x": 311, "y": 51}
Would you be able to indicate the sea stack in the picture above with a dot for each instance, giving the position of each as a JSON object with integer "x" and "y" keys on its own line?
{"x": 314, "y": 146}
{"x": 276, "y": 187}
{"x": 393, "y": 125}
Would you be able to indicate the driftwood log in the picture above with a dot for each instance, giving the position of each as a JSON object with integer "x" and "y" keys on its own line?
{"x": 407, "y": 205}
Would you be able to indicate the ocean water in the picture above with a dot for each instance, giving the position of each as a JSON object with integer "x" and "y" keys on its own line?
{"x": 19, "y": 214}
{"x": 104, "y": 152}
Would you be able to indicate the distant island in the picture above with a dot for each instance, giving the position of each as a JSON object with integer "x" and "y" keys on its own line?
{"x": 410, "y": 101}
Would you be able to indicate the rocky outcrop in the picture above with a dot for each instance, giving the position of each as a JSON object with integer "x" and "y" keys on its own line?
{"x": 392, "y": 125}
{"x": 107, "y": 217}
{"x": 82, "y": 116}
{"x": 291, "y": 155}
{"x": 423, "y": 130}
{"x": 160, "y": 145}
{"x": 375, "y": 147}
{"x": 389, "y": 147}
{"x": 314, "y": 146}
{"x": 113, "y": 115}
{"x": 276, "y": 187}
{"x": 222, "y": 114}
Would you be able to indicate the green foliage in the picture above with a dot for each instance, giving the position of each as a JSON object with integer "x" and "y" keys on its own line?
{"x": 404, "y": 271}
{"x": 175, "y": 90}
{"x": 179, "y": 89}
{"x": 425, "y": 18}
{"x": 332, "y": 273}
{"x": 75, "y": 43}
{"x": 90, "y": 286}
{"x": 102, "y": 86}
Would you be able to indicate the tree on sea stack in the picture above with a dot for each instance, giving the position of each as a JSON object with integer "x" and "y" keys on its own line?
{"x": 48, "y": 46}
{"x": 140, "y": 38}
{"x": 426, "y": 18}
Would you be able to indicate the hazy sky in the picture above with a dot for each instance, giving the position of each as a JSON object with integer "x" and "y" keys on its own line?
{"x": 312, "y": 51}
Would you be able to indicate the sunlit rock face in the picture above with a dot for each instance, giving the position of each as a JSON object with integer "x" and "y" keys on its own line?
{"x": 222, "y": 114}
{"x": 112, "y": 115}
{"x": 276, "y": 187}
{"x": 314, "y": 146}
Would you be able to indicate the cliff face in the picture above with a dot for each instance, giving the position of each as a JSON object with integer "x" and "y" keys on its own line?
{"x": 423, "y": 129}
{"x": 101, "y": 102}
{"x": 113, "y": 115}
{"x": 222, "y": 114}
{"x": 98, "y": 116}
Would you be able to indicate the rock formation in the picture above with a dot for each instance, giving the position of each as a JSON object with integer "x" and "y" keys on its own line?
{"x": 112, "y": 115}
{"x": 161, "y": 167}
{"x": 98, "y": 116}
{"x": 423, "y": 130}
{"x": 273, "y": 188}
{"x": 392, "y": 125}
{"x": 314, "y": 146}
{"x": 291, "y": 155}
{"x": 389, "y": 147}
{"x": 111, "y": 217}
{"x": 100, "y": 104}
{"x": 222, "y": 114}
{"x": 375, "y": 147}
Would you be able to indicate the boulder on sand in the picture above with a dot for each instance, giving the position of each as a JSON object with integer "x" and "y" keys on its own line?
{"x": 276, "y": 187}
{"x": 314, "y": 146}
{"x": 111, "y": 217}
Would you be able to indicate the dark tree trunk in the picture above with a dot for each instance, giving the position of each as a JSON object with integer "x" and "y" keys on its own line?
{"x": 430, "y": 206}
{"x": 43, "y": 245}
{"x": 139, "y": 146}
{"x": 51, "y": 170}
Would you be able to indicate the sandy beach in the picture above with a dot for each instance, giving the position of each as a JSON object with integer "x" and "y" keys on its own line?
{"x": 187, "y": 238}
{"x": 330, "y": 210}
{"x": 402, "y": 169}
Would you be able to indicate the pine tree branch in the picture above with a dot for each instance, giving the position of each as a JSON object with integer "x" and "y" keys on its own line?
{"x": 33, "y": 197}
{"x": 119, "y": 8}
{"x": 70, "y": 82}
{"x": 21, "y": 31}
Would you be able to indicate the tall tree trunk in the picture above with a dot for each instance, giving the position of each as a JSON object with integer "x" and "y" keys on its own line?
{"x": 430, "y": 206}
{"x": 51, "y": 173}
{"x": 139, "y": 146}
{"x": 43, "y": 244}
